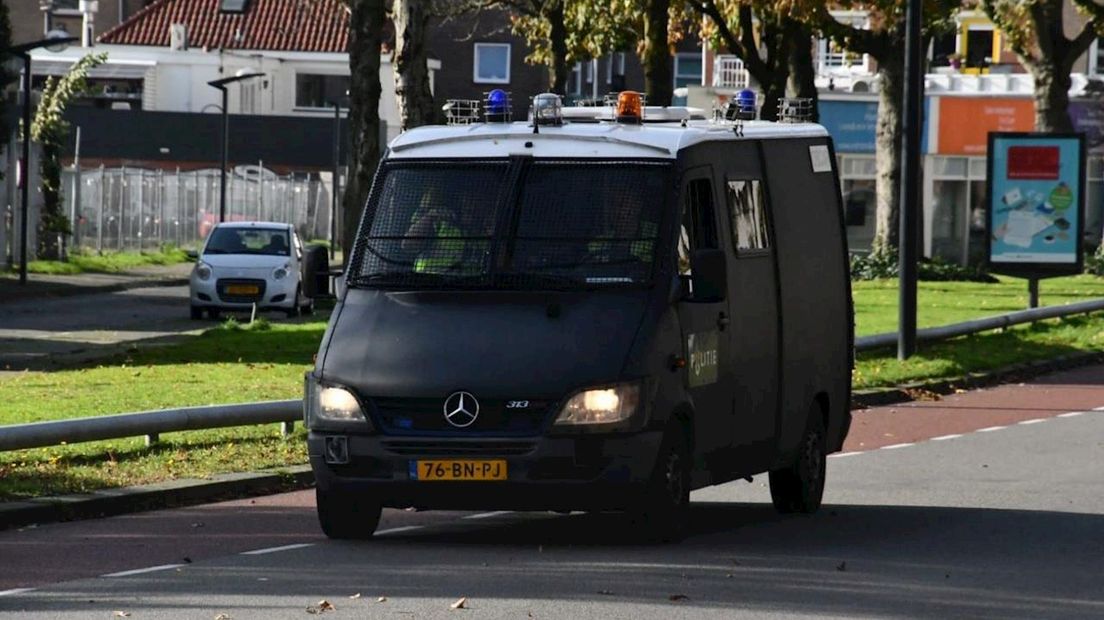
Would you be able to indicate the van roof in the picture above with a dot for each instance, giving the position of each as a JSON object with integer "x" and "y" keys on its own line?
{"x": 583, "y": 140}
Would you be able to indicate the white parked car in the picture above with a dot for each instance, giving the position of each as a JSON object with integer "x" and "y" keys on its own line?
{"x": 246, "y": 263}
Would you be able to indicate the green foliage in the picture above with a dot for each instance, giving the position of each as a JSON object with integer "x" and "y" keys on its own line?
{"x": 50, "y": 130}
{"x": 89, "y": 261}
{"x": 883, "y": 264}
{"x": 7, "y": 76}
{"x": 1094, "y": 263}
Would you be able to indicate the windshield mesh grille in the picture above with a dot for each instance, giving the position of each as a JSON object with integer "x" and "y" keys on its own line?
{"x": 540, "y": 225}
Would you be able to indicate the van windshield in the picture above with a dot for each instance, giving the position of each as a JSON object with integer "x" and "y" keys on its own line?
{"x": 559, "y": 225}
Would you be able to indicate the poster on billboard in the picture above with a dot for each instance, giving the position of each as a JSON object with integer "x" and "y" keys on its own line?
{"x": 1036, "y": 189}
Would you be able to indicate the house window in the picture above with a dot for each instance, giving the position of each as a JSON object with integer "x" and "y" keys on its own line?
{"x": 688, "y": 70}
{"x": 492, "y": 63}
{"x": 66, "y": 7}
{"x": 317, "y": 91}
{"x": 1096, "y": 57}
{"x": 233, "y": 6}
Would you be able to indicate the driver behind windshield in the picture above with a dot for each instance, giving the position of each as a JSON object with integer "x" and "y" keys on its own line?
{"x": 434, "y": 234}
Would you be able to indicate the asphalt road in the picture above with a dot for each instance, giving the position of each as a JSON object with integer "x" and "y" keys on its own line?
{"x": 992, "y": 519}
{"x": 40, "y": 334}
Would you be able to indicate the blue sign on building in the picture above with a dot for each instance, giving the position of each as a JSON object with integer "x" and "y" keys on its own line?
{"x": 853, "y": 124}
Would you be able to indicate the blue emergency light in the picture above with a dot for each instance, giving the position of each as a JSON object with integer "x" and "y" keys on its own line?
{"x": 498, "y": 106}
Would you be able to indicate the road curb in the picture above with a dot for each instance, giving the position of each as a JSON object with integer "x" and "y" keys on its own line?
{"x": 74, "y": 290}
{"x": 932, "y": 390}
{"x": 108, "y": 502}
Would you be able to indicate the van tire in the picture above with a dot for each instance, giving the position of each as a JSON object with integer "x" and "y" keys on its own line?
{"x": 663, "y": 512}
{"x": 799, "y": 488}
{"x": 344, "y": 516}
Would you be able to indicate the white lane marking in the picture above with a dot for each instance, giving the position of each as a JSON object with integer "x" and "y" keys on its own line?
{"x": 990, "y": 429}
{"x": 395, "y": 530}
{"x": 277, "y": 549}
{"x": 15, "y": 591}
{"x": 488, "y": 515}
{"x": 1035, "y": 421}
{"x": 1072, "y": 414}
{"x": 141, "y": 571}
{"x": 945, "y": 437}
{"x": 895, "y": 446}
{"x": 840, "y": 455}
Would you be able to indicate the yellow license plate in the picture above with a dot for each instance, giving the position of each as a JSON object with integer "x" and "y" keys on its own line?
{"x": 242, "y": 290}
{"x": 494, "y": 469}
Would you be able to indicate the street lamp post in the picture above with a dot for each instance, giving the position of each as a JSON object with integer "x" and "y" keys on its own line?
{"x": 221, "y": 85}
{"x": 55, "y": 41}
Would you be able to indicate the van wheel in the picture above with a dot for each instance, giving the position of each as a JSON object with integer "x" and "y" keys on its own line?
{"x": 344, "y": 516}
{"x": 664, "y": 510}
{"x": 800, "y": 487}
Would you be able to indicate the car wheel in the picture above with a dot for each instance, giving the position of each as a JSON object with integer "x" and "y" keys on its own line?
{"x": 800, "y": 487}
{"x": 344, "y": 516}
{"x": 308, "y": 308}
{"x": 197, "y": 313}
{"x": 295, "y": 308}
{"x": 213, "y": 313}
{"x": 663, "y": 513}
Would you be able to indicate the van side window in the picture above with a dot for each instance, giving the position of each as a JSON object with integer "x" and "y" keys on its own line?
{"x": 749, "y": 219}
{"x": 699, "y": 226}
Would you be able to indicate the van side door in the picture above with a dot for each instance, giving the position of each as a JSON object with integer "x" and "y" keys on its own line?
{"x": 756, "y": 322}
{"x": 704, "y": 321}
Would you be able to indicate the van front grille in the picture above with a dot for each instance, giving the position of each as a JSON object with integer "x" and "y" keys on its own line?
{"x": 411, "y": 416}
{"x": 463, "y": 448}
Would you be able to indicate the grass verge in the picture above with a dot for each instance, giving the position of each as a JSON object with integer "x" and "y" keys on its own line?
{"x": 108, "y": 262}
{"x": 232, "y": 363}
{"x": 242, "y": 363}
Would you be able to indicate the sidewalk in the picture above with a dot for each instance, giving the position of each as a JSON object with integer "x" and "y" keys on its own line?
{"x": 43, "y": 285}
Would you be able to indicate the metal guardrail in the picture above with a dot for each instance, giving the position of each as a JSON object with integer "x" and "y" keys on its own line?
{"x": 149, "y": 424}
{"x": 965, "y": 328}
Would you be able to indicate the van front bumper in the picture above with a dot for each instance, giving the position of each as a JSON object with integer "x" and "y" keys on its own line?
{"x": 557, "y": 473}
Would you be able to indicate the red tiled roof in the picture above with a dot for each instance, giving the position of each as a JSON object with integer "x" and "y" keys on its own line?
{"x": 277, "y": 25}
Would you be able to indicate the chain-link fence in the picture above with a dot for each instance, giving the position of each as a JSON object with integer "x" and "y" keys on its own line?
{"x": 135, "y": 209}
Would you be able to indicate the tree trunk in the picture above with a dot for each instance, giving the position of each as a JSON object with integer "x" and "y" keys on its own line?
{"x": 415, "y": 100}
{"x": 888, "y": 147}
{"x": 52, "y": 221}
{"x": 656, "y": 56}
{"x": 558, "y": 42}
{"x": 802, "y": 73}
{"x": 773, "y": 92}
{"x": 366, "y": 22}
{"x": 1052, "y": 86}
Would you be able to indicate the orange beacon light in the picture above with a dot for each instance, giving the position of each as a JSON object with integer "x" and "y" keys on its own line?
{"x": 629, "y": 108}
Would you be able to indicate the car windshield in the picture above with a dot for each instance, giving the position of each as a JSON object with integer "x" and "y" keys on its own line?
{"x": 560, "y": 225}
{"x": 231, "y": 240}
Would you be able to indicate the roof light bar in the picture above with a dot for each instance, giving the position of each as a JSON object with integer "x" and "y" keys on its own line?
{"x": 742, "y": 106}
{"x": 630, "y": 108}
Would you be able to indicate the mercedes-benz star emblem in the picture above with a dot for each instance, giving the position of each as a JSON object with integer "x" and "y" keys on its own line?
{"x": 461, "y": 409}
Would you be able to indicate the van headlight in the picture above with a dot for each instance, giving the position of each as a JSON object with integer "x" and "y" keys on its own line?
{"x": 327, "y": 403}
{"x": 605, "y": 405}
{"x": 203, "y": 271}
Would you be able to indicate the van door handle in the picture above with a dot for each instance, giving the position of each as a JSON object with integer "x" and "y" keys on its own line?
{"x": 723, "y": 321}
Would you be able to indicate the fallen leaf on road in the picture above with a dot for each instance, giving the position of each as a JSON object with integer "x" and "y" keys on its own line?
{"x": 382, "y": 599}
{"x": 678, "y": 597}
{"x": 122, "y": 614}
{"x": 842, "y": 567}
{"x": 355, "y": 596}
{"x": 325, "y": 605}
{"x": 223, "y": 617}
{"x": 460, "y": 604}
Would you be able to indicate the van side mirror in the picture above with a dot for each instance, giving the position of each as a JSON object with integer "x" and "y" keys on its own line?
{"x": 339, "y": 286}
{"x": 710, "y": 275}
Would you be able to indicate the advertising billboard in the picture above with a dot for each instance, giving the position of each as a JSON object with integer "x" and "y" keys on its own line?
{"x": 1036, "y": 189}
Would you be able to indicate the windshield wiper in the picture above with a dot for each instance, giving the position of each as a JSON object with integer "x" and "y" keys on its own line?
{"x": 420, "y": 280}
{"x": 529, "y": 279}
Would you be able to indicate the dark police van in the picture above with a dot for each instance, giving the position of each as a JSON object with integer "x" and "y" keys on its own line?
{"x": 553, "y": 315}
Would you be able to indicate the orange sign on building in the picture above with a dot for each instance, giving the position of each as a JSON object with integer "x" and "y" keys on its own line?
{"x": 965, "y": 122}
